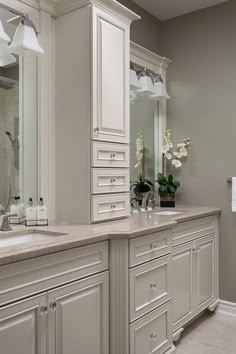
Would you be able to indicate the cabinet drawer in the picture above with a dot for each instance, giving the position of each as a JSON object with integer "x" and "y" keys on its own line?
{"x": 152, "y": 333}
{"x": 190, "y": 230}
{"x": 110, "y": 155}
{"x": 149, "y": 286}
{"x": 111, "y": 206}
{"x": 43, "y": 273}
{"x": 146, "y": 248}
{"x": 110, "y": 180}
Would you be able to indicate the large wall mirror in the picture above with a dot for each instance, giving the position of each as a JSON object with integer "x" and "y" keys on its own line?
{"x": 147, "y": 110}
{"x": 18, "y": 121}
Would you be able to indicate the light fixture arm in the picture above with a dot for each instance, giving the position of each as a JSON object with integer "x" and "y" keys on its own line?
{"x": 24, "y": 16}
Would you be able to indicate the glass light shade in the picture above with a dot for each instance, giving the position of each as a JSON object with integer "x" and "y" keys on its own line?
{"x": 25, "y": 42}
{"x": 160, "y": 92}
{"x": 6, "y": 57}
{"x": 134, "y": 83}
{"x": 4, "y": 38}
{"x": 147, "y": 87}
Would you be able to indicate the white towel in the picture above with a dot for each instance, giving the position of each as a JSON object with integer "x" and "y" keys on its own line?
{"x": 233, "y": 194}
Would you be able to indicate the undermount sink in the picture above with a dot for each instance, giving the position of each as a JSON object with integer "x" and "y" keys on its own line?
{"x": 168, "y": 212}
{"x": 16, "y": 239}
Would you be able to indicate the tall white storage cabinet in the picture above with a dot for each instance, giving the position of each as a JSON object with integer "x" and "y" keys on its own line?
{"x": 92, "y": 110}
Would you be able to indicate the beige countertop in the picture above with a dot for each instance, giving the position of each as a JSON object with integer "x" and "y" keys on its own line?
{"x": 72, "y": 236}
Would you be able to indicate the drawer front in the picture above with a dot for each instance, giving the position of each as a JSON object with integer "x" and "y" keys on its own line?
{"x": 190, "y": 230}
{"x": 111, "y": 206}
{"x": 110, "y": 155}
{"x": 146, "y": 248}
{"x": 110, "y": 180}
{"x": 149, "y": 286}
{"x": 42, "y": 273}
{"x": 152, "y": 334}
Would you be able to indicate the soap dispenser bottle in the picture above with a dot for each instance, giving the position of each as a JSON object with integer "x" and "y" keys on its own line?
{"x": 31, "y": 214}
{"x": 42, "y": 213}
{"x": 15, "y": 210}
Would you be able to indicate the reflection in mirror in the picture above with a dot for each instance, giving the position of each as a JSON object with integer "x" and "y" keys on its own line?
{"x": 18, "y": 123}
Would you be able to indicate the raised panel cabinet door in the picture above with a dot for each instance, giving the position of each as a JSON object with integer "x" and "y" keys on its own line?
{"x": 79, "y": 317}
{"x": 205, "y": 271}
{"x": 183, "y": 284}
{"x": 110, "y": 78}
{"x": 23, "y": 326}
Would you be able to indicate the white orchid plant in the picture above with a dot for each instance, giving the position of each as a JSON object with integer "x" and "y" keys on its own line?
{"x": 141, "y": 184}
{"x": 175, "y": 157}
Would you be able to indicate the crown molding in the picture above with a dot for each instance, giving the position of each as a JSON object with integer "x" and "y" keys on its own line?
{"x": 143, "y": 54}
{"x": 65, "y": 6}
{"x": 45, "y": 5}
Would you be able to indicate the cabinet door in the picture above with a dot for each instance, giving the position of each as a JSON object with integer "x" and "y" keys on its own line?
{"x": 110, "y": 78}
{"x": 205, "y": 272}
{"x": 78, "y": 317}
{"x": 183, "y": 282}
{"x": 23, "y": 327}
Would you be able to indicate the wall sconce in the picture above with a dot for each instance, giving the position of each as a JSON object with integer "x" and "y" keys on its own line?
{"x": 134, "y": 82}
{"x": 4, "y": 38}
{"x": 159, "y": 89}
{"x": 6, "y": 58}
{"x": 25, "y": 41}
{"x": 146, "y": 84}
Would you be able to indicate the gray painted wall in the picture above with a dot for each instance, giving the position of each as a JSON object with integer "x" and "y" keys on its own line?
{"x": 202, "y": 85}
{"x": 145, "y": 32}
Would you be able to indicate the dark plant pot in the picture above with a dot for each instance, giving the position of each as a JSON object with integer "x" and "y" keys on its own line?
{"x": 168, "y": 201}
{"x": 139, "y": 192}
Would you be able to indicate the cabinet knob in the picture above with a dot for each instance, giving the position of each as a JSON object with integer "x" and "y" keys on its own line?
{"x": 153, "y": 285}
{"x": 153, "y": 246}
{"x": 113, "y": 206}
{"x": 153, "y": 336}
{"x": 112, "y": 155}
{"x": 113, "y": 180}
{"x": 96, "y": 130}
{"x": 44, "y": 310}
{"x": 53, "y": 306}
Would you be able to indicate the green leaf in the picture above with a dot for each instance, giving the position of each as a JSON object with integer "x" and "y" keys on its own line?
{"x": 148, "y": 182}
{"x": 172, "y": 188}
{"x": 170, "y": 178}
{"x": 163, "y": 189}
{"x": 162, "y": 193}
{"x": 176, "y": 184}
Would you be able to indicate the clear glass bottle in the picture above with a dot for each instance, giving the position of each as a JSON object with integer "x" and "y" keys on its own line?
{"x": 31, "y": 214}
{"x": 42, "y": 213}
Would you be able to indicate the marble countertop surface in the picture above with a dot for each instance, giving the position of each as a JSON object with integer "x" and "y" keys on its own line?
{"x": 64, "y": 237}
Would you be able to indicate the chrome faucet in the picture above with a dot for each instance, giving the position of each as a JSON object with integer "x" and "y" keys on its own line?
{"x": 151, "y": 195}
{"x": 5, "y": 222}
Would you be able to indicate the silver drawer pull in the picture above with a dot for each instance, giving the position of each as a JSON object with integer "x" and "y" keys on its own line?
{"x": 44, "y": 310}
{"x": 96, "y": 130}
{"x": 53, "y": 306}
{"x": 112, "y": 155}
{"x": 153, "y": 285}
{"x": 153, "y": 246}
{"x": 153, "y": 336}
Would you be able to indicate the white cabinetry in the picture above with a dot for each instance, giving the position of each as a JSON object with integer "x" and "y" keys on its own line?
{"x": 70, "y": 318}
{"x": 92, "y": 104}
{"x": 195, "y": 270}
{"x": 23, "y": 327}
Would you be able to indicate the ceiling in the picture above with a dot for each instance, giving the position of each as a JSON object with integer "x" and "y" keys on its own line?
{"x": 166, "y": 9}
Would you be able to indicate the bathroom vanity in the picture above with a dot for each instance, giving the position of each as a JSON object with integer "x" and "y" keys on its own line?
{"x": 125, "y": 286}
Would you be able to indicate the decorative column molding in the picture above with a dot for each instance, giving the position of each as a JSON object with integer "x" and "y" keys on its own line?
{"x": 46, "y": 99}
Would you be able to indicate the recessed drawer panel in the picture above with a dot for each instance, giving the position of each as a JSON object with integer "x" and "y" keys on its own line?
{"x": 110, "y": 155}
{"x": 146, "y": 248}
{"x": 110, "y": 180}
{"x": 110, "y": 206}
{"x": 152, "y": 333}
{"x": 190, "y": 230}
{"x": 25, "y": 278}
{"x": 149, "y": 286}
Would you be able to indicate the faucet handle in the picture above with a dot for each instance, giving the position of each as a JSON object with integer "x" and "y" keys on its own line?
{"x": 5, "y": 222}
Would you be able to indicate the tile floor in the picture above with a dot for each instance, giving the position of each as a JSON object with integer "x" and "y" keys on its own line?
{"x": 210, "y": 334}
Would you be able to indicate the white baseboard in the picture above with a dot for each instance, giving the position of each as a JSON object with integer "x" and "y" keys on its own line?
{"x": 227, "y": 308}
